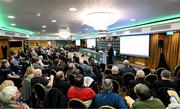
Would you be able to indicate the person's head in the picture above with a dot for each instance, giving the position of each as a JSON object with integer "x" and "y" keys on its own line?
{"x": 71, "y": 66}
{"x": 6, "y": 83}
{"x": 30, "y": 70}
{"x": 107, "y": 85}
{"x": 40, "y": 57}
{"x": 9, "y": 94}
{"x": 56, "y": 62}
{"x": 115, "y": 70}
{"x": 90, "y": 69}
{"x": 165, "y": 74}
{"x": 142, "y": 91}
{"x": 140, "y": 74}
{"x": 37, "y": 72}
{"x": 5, "y": 63}
{"x": 60, "y": 75}
{"x": 109, "y": 45}
{"x": 126, "y": 62}
{"x": 78, "y": 80}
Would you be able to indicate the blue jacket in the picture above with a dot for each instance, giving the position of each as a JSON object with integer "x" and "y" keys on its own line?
{"x": 111, "y": 99}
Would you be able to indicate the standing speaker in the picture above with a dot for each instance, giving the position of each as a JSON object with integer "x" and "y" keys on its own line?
{"x": 160, "y": 43}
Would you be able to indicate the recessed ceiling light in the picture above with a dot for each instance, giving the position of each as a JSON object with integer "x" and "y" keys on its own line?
{"x": 43, "y": 30}
{"x": 13, "y": 24}
{"x": 11, "y": 17}
{"x": 53, "y": 21}
{"x": 72, "y": 9}
{"x": 132, "y": 20}
{"x": 67, "y": 28}
{"x": 44, "y": 26}
{"x": 38, "y": 14}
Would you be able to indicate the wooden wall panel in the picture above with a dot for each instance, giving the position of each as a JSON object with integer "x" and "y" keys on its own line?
{"x": 4, "y": 42}
{"x": 171, "y": 50}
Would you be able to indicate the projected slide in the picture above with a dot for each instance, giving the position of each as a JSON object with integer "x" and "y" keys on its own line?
{"x": 135, "y": 45}
{"x": 91, "y": 43}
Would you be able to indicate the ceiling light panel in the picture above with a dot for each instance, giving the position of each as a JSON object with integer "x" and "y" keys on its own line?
{"x": 11, "y": 17}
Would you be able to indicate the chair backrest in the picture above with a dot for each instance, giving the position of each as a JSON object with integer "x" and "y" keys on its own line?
{"x": 176, "y": 70}
{"x": 76, "y": 103}
{"x": 107, "y": 72}
{"x": 146, "y": 70}
{"x": 102, "y": 66}
{"x": 116, "y": 86}
{"x": 106, "y": 107}
{"x": 26, "y": 89}
{"x": 127, "y": 77}
{"x": 158, "y": 72}
{"x": 151, "y": 78}
{"x": 163, "y": 95}
{"x": 53, "y": 72}
{"x": 55, "y": 99}
{"x": 40, "y": 91}
{"x": 71, "y": 78}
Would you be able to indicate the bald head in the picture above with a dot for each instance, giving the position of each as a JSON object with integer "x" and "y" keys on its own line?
{"x": 37, "y": 72}
{"x": 60, "y": 75}
{"x": 140, "y": 74}
{"x": 126, "y": 62}
{"x": 115, "y": 70}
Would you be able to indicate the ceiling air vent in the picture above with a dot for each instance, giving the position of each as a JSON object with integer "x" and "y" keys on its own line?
{"x": 163, "y": 27}
{"x": 136, "y": 30}
{"x": 9, "y": 33}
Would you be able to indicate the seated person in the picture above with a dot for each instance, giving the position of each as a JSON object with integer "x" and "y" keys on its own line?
{"x": 9, "y": 97}
{"x": 161, "y": 87}
{"x": 139, "y": 78}
{"x": 42, "y": 80}
{"x": 61, "y": 83}
{"x": 56, "y": 65}
{"x": 127, "y": 68}
{"x": 6, "y": 83}
{"x": 29, "y": 74}
{"x": 6, "y": 71}
{"x": 165, "y": 82}
{"x": 90, "y": 73}
{"x": 40, "y": 61}
{"x": 115, "y": 75}
{"x": 80, "y": 92}
{"x": 145, "y": 100}
{"x": 76, "y": 58}
{"x": 107, "y": 97}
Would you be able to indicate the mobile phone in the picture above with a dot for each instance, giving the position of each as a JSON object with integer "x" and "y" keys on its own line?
{"x": 174, "y": 99}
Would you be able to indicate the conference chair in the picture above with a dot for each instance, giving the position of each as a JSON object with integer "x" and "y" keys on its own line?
{"x": 127, "y": 77}
{"x": 106, "y": 107}
{"x": 146, "y": 70}
{"x": 55, "y": 99}
{"x": 151, "y": 78}
{"x": 158, "y": 72}
{"x": 176, "y": 70}
{"x": 76, "y": 103}
{"x": 116, "y": 86}
{"x": 40, "y": 92}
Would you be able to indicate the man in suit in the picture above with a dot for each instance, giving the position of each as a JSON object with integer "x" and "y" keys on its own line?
{"x": 110, "y": 54}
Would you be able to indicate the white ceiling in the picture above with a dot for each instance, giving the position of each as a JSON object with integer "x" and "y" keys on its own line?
{"x": 25, "y": 12}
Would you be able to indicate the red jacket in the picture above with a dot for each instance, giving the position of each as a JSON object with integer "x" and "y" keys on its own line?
{"x": 83, "y": 94}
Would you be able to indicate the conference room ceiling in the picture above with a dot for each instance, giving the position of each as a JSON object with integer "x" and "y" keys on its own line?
{"x": 33, "y": 14}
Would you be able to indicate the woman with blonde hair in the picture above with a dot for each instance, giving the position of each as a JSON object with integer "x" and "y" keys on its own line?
{"x": 29, "y": 73}
{"x": 6, "y": 83}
